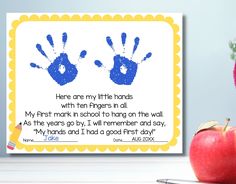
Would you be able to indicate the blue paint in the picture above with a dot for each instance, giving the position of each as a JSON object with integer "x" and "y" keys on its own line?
{"x": 83, "y": 54}
{"x": 50, "y": 40}
{"x": 98, "y": 63}
{"x": 61, "y": 70}
{"x": 148, "y": 55}
{"x": 123, "y": 39}
{"x": 70, "y": 70}
{"x": 124, "y": 70}
{"x": 120, "y": 78}
{"x": 64, "y": 39}
{"x": 136, "y": 43}
{"x": 33, "y": 65}
{"x": 109, "y": 42}
{"x": 39, "y": 47}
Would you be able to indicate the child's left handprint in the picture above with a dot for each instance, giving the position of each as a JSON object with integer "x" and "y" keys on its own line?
{"x": 124, "y": 70}
{"x": 61, "y": 69}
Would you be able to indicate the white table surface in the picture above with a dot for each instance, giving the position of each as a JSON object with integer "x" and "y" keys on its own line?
{"x": 91, "y": 169}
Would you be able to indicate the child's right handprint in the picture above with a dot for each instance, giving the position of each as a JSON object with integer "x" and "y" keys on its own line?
{"x": 61, "y": 69}
{"x": 124, "y": 70}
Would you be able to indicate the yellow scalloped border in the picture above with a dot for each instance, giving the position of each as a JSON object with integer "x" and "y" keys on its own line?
{"x": 95, "y": 148}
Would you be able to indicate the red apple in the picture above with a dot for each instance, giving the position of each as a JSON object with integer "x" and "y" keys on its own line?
{"x": 213, "y": 154}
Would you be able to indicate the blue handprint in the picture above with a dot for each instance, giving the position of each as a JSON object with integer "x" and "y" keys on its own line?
{"x": 61, "y": 69}
{"x": 124, "y": 70}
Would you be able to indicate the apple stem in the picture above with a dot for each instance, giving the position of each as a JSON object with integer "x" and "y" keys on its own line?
{"x": 226, "y": 123}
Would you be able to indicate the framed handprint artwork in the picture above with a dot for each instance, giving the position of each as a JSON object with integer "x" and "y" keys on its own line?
{"x": 94, "y": 83}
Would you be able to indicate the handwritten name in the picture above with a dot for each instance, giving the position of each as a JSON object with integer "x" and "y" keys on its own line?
{"x": 51, "y": 138}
